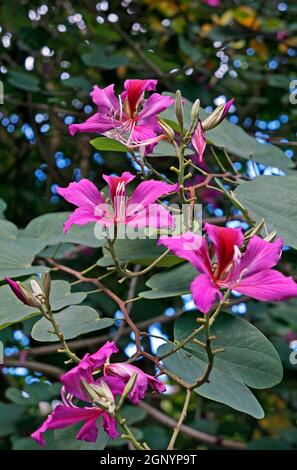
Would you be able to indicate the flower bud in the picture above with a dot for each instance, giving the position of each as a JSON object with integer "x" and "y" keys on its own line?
{"x": 179, "y": 109}
{"x": 24, "y": 294}
{"x": 128, "y": 388}
{"x": 169, "y": 132}
{"x": 195, "y": 110}
{"x": 217, "y": 116}
{"x": 46, "y": 283}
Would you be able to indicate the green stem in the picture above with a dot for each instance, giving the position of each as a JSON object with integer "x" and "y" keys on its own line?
{"x": 129, "y": 434}
{"x": 180, "y": 421}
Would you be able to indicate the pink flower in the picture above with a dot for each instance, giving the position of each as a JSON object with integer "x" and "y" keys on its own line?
{"x": 213, "y": 3}
{"x": 129, "y": 118}
{"x": 248, "y": 273}
{"x": 138, "y": 210}
{"x": 213, "y": 120}
{"x": 143, "y": 381}
{"x": 109, "y": 386}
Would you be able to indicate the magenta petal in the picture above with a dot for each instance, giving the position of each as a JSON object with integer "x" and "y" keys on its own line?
{"x": 204, "y": 292}
{"x": 191, "y": 247}
{"x": 154, "y": 105}
{"x": 199, "y": 140}
{"x": 148, "y": 192}
{"x": 260, "y": 255}
{"x": 155, "y": 216}
{"x": 99, "y": 358}
{"x": 135, "y": 90}
{"x": 72, "y": 380}
{"x": 225, "y": 240}
{"x": 105, "y": 99}
{"x": 156, "y": 384}
{"x": 114, "y": 181}
{"x": 227, "y": 107}
{"x": 64, "y": 416}
{"x": 85, "y": 215}
{"x": 98, "y": 123}
{"x": 16, "y": 290}
{"x": 268, "y": 285}
{"x": 109, "y": 425}
{"x": 82, "y": 193}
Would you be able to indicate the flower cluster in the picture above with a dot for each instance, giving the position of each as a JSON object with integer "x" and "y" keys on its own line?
{"x": 86, "y": 398}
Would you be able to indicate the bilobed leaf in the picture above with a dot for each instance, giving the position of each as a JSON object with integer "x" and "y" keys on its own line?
{"x": 102, "y": 56}
{"x": 139, "y": 251}
{"x": 8, "y": 230}
{"x": 9, "y": 416}
{"x": 166, "y": 149}
{"x": 49, "y": 229}
{"x": 170, "y": 283}
{"x": 61, "y": 295}
{"x": 103, "y": 143}
{"x": 249, "y": 359}
{"x": 73, "y": 321}
{"x": 16, "y": 257}
{"x": 275, "y": 200}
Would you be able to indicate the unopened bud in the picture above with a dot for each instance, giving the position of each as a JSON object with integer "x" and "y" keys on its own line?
{"x": 30, "y": 298}
{"x": 128, "y": 388}
{"x": 169, "y": 132}
{"x": 46, "y": 283}
{"x": 214, "y": 118}
{"x": 195, "y": 110}
{"x": 179, "y": 109}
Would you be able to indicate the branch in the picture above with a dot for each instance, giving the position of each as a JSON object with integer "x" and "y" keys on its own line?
{"x": 193, "y": 433}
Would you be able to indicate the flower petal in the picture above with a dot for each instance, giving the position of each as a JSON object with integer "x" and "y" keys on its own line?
{"x": 268, "y": 285}
{"x": 134, "y": 90}
{"x": 199, "y": 140}
{"x": 114, "y": 181}
{"x": 64, "y": 416}
{"x": 148, "y": 192}
{"x": 260, "y": 255}
{"x": 86, "y": 214}
{"x": 98, "y": 123}
{"x": 105, "y": 99}
{"x": 204, "y": 292}
{"x": 153, "y": 106}
{"x": 191, "y": 247}
{"x": 109, "y": 425}
{"x": 99, "y": 358}
{"x": 155, "y": 216}
{"x": 224, "y": 239}
{"x": 82, "y": 193}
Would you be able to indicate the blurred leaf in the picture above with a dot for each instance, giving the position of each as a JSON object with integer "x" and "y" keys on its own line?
{"x": 24, "y": 81}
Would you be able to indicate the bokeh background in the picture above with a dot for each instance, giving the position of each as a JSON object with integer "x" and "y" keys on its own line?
{"x": 51, "y": 54}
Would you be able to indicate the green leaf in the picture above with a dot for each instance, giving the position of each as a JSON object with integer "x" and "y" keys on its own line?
{"x": 48, "y": 228}
{"x": 78, "y": 83}
{"x": 101, "y": 56}
{"x": 8, "y": 230}
{"x": 103, "y": 143}
{"x": 9, "y": 416}
{"x": 16, "y": 257}
{"x": 133, "y": 414}
{"x": 249, "y": 359}
{"x": 24, "y": 81}
{"x": 165, "y": 149}
{"x": 61, "y": 295}
{"x": 35, "y": 392}
{"x": 274, "y": 199}
{"x": 65, "y": 439}
{"x": 14, "y": 311}
{"x": 170, "y": 283}
{"x": 138, "y": 251}
{"x": 234, "y": 139}
{"x": 73, "y": 322}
